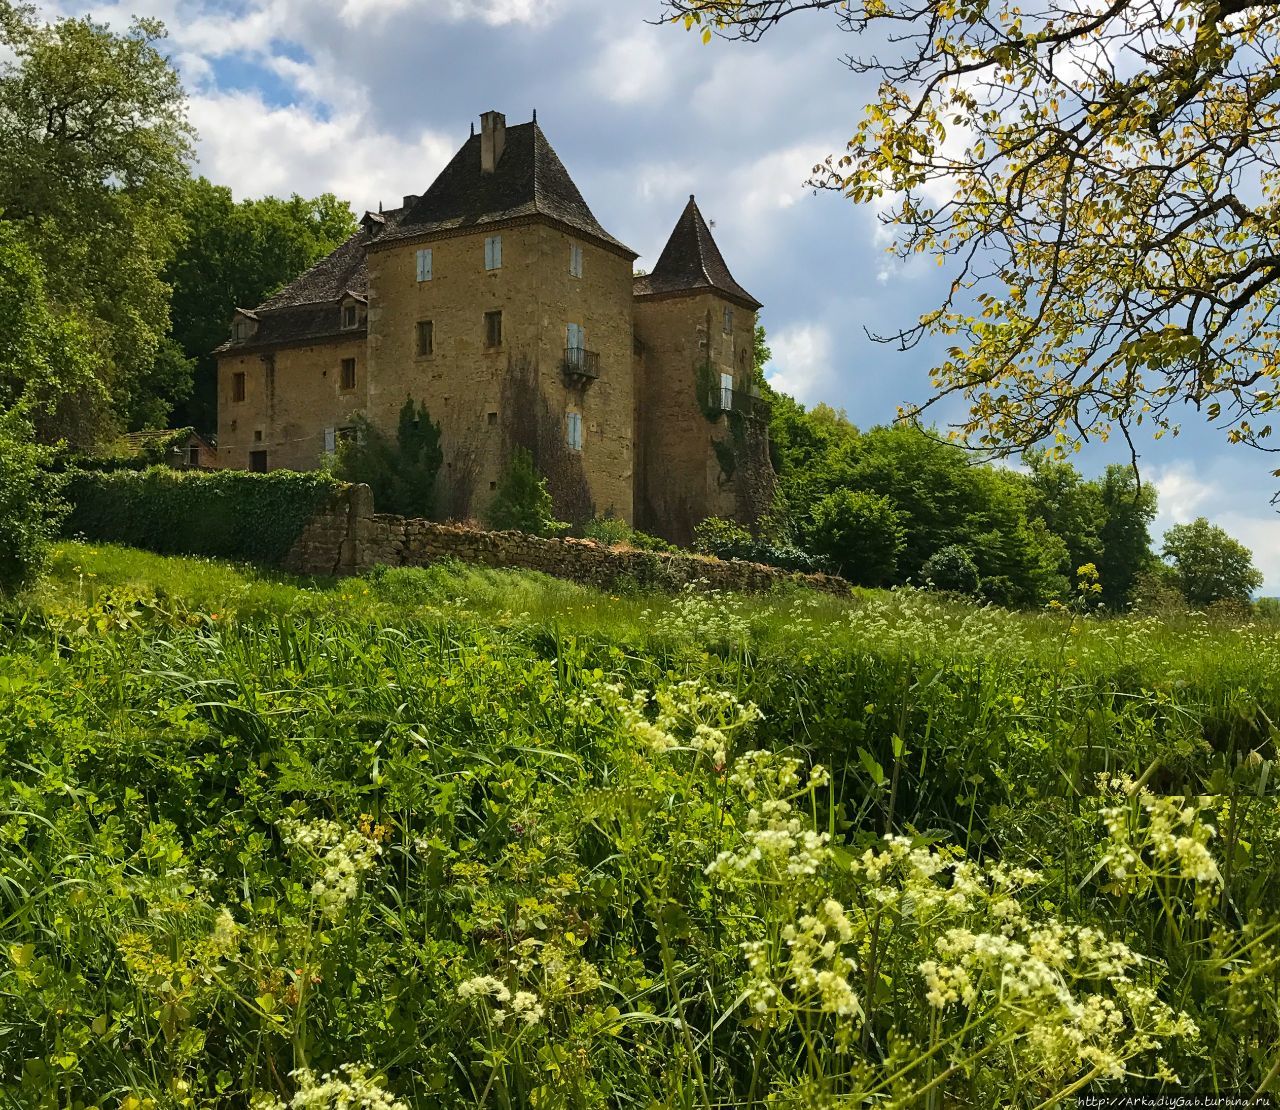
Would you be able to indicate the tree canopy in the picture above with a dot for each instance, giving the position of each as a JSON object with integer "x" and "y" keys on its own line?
{"x": 1103, "y": 180}
{"x": 1209, "y": 566}
{"x": 95, "y": 138}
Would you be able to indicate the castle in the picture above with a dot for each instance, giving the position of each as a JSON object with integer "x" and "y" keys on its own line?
{"x": 499, "y": 301}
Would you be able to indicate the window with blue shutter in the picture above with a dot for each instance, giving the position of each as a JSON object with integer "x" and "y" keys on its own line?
{"x": 424, "y": 264}
{"x": 493, "y": 252}
{"x": 573, "y": 430}
{"x": 575, "y": 260}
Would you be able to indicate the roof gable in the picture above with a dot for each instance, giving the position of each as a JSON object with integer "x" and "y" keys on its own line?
{"x": 691, "y": 261}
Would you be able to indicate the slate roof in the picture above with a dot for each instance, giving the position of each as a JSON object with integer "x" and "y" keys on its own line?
{"x": 691, "y": 261}
{"x": 529, "y": 180}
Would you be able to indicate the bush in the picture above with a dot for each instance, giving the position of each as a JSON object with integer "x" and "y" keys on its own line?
{"x": 726, "y": 539}
{"x": 29, "y": 504}
{"x": 227, "y": 514}
{"x": 952, "y": 570}
{"x": 861, "y": 534}
{"x": 522, "y": 503}
{"x": 401, "y": 472}
{"x": 608, "y": 530}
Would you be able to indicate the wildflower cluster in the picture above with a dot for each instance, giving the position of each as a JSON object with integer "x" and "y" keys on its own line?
{"x": 341, "y": 855}
{"x": 810, "y": 964}
{"x": 1153, "y": 836}
{"x": 699, "y": 614}
{"x": 351, "y": 1087}
{"x": 686, "y": 716}
{"x": 524, "y": 1006}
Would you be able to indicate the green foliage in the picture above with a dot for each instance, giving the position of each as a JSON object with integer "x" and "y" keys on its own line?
{"x": 485, "y": 831}
{"x": 522, "y": 502}
{"x": 726, "y": 539}
{"x": 229, "y": 514}
{"x": 402, "y": 473}
{"x": 861, "y": 534}
{"x": 29, "y": 504}
{"x": 1124, "y": 534}
{"x": 707, "y": 384}
{"x": 1209, "y": 566}
{"x": 951, "y": 569}
{"x": 93, "y": 126}
{"x": 608, "y": 530}
{"x": 235, "y": 255}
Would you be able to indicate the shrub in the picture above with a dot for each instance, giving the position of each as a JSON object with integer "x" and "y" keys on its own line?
{"x": 227, "y": 514}
{"x": 401, "y": 472}
{"x": 29, "y": 505}
{"x": 522, "y": 502}
{"x": 726, "y": 539}
{"x": 608, "y": 530}
{"x": 951, "y": 569}
{"x": 860, "y": 533}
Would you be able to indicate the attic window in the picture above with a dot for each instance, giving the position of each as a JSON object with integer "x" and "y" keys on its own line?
{"x": 241, "y": 328}
{"x": 350, "y": 316}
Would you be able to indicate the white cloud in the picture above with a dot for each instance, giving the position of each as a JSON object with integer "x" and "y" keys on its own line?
{"x": 1261, "y": 534}
{"x": 801, "y": 363}
{"x": 1182, "y": 493}
{"x": 257, "y": 149}
{"x": 630, "y": 68}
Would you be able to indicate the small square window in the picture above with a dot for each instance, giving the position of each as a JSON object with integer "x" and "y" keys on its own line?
{"x": 493, "y": 252}
{"x": 573, "y": 430}
{"x": 493, "y": 485}
{"x": 575, "y": 260}
{"x": 237, "y": 386}
{"x": 728, "y": 321}
{"x": 426, "y": 338}
{"x": 193, "y": 456}
{"x": 493, "y": 329}
{"x": 350, "y": 316}
{"x": 348, "y": 373}
{"x": 424, "y": 264}
{"x": 493, "y": 418}
{"x": 258, "y": 462}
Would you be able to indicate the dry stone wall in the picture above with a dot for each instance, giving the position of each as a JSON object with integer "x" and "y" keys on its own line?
{"x": 349, "y": 537}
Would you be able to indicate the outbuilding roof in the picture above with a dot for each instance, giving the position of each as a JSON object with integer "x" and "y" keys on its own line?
{"x": 691, "y": 261}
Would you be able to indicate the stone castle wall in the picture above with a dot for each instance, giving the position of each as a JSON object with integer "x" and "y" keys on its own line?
{"x": 349, "y": 537}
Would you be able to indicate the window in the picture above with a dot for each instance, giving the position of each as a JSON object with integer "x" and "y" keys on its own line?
{"x": 573, "y": 430}
{"x": 348, "y": 434}
{"x": 258, "y": 462}
{"x": 193, "y": 456}
{"x": 575, "y": 260}
{"x": 492, "y": 418}
{"x": 493, "y": 329}
{"x": 242, "y": 328}
{"x": 493, "y": 252}
{"x": 574, "y": 337}
{"x": 350, "y": 316}
{"x": 257, "y": 435}
{"x": 728, "y": 320}
{"x": 424, "y": 264}
{"x": 425, "y": 338}
{"x": 726, "y": 391}
{"x": 237, "y": 386}
{"x": 330, "y": 440}
{"x": 348, "y": 373}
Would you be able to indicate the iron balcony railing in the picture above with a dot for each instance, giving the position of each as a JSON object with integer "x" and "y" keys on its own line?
{"x": 742, "y": 402}
{"x": 581, "y": 364}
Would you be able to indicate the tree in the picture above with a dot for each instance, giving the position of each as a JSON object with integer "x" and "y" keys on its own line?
{"x": 401, "y": 472}
{"x": 234, "y": 256}
{"x": 1069, "y": 507}
{"x": 951, "y": 569}
{"x": 860, "y": 533}
{"x": 1125, "y": 534}
{"x": 522, "y": 502}
{"x": 1209, "y": 565}
{"x": 95, "y": 139}
{"x": 1103, "y": 179}
{"x": 29, "y": 506}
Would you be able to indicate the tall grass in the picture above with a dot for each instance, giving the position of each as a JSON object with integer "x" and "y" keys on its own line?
{"x": 487, "y": 838}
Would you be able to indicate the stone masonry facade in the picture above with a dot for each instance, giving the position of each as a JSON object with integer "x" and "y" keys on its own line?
{"x": 349, "y": 537}
{"x": 498, "y": 301}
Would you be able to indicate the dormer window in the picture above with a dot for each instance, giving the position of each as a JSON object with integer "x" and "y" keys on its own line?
{"x": 350, "y": 316}
{"x": 243, "y": 326}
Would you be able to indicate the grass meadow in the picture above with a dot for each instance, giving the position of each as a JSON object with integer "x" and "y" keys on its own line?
{"x": 458, "y": 837}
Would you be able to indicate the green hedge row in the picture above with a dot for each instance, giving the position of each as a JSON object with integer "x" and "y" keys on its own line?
{"x": 227, "y": 514}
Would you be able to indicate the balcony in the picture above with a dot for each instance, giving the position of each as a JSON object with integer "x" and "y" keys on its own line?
{"x": 742, "y": 402}
{"x": 581, "y": 367}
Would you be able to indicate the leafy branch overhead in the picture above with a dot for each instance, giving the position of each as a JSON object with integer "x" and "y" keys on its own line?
{"x": 1103, "y": 180}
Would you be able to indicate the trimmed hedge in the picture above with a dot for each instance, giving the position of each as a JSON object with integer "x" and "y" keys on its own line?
{"x": 226, "y": 514}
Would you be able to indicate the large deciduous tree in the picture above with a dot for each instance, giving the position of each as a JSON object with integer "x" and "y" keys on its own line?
{"x": 234, "y": 256}
{"x": 1209, "y": 565}
{"x": 1103, "y": 177}
{"x": 95, "y": 140}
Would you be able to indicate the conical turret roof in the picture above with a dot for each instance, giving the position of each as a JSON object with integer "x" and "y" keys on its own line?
{"x": 691, "y": 262}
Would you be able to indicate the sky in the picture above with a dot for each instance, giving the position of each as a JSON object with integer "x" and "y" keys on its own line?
{"x": 370, "y": 98}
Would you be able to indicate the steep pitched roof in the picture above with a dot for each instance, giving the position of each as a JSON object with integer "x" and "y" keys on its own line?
{"x": 528, "y": 180}
{"x": 690, "y": 262}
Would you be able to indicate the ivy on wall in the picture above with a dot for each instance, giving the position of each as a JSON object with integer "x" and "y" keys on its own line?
{"x": 228, "y": 514}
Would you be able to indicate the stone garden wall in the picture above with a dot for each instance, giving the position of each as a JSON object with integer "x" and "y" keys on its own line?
{"x": 349, "y": 537}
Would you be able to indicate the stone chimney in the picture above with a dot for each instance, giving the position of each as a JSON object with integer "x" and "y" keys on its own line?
{"x": 493, "y": 139}
{"x": 410, "y": 199}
